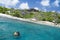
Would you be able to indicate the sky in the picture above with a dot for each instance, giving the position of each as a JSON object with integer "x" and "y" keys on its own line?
{"x": 44, "y": 5}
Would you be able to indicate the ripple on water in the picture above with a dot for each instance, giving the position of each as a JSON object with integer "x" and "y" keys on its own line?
{"x": 28, "y": 31}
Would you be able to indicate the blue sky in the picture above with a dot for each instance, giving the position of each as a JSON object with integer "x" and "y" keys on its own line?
{"x": 45, "y": 5}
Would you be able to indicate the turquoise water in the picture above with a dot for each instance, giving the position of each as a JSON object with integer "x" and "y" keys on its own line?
{"x": 28, "y": 31}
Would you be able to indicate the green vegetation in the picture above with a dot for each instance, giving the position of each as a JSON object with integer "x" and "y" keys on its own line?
{"x": 29, "y": 15}
{"x": 32, "y": 13}
{"x": 3, "y": 10}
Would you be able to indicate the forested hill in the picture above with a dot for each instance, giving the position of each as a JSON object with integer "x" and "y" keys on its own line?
{"x": 32, "y": 13}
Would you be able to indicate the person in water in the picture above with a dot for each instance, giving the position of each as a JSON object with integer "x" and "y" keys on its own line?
{"x": 16, "y": 34}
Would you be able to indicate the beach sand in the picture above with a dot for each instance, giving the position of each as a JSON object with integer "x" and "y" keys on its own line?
{"x": 31, "y": 20}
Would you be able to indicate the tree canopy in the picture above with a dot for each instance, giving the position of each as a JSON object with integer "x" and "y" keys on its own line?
{"x": 32, "y": 13}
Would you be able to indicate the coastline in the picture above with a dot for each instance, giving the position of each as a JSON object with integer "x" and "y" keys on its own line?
{"x": 31, "y": 20}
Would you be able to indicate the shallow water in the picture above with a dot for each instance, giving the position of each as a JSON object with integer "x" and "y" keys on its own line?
{"x": 28, "y": 31}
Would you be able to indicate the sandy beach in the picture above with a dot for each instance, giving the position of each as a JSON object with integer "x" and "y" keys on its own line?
{"x": 31, "y": 20}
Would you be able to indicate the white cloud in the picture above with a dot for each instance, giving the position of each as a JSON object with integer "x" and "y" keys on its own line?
{"x": 36, "y": 8}
{"x": 9, "y": 2}
{"x": 24, "y": 6}
{"x": 45, "y": 2}
{"x": 45, "y": 10}
{"x": 53, "y": 11}
{"x": 56, "y": 3}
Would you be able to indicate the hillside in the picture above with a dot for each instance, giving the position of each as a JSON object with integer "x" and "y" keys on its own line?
{"x": 32, "y": 13}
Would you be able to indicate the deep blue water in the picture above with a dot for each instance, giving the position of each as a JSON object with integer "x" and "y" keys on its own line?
{"x": 28, "y": 31}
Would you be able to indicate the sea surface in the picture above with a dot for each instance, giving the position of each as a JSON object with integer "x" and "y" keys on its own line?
{"x": 28, "y": 30}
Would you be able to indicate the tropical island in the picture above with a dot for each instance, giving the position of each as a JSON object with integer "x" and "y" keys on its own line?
{"x": 33, "y": 15}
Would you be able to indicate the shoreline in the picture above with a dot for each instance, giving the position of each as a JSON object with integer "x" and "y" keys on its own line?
{"x": 31, "y": 20}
